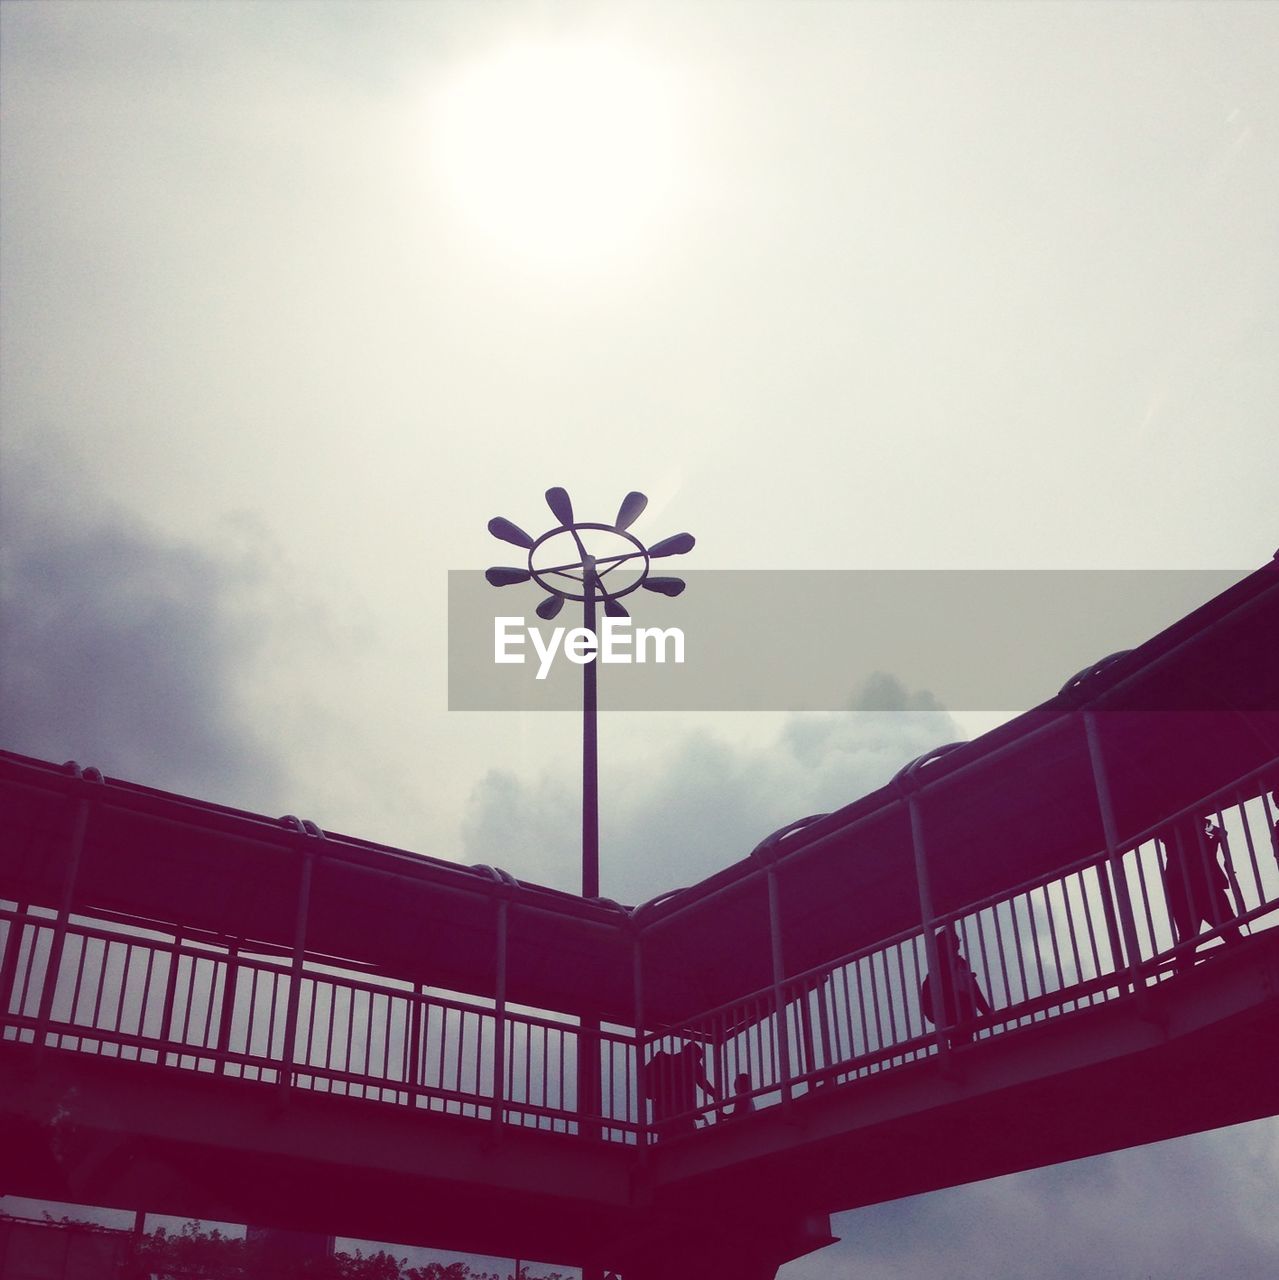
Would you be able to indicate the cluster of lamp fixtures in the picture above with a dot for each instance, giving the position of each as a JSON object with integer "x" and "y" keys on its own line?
{"x": 597, "y": 561}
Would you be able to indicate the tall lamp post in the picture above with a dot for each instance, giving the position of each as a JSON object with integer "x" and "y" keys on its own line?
{"x": 596, "y": 564}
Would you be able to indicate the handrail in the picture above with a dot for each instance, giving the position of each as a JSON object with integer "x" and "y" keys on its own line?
{"x": 375, "y": 1036}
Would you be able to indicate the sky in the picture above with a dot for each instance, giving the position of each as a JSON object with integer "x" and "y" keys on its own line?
{"x": 297, "y": 296}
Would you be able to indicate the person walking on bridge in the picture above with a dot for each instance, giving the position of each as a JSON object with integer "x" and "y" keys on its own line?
{"x": 962, "y": 1000}
{"x": 671, "y": 1082}
{"x": 1196, "y": 881}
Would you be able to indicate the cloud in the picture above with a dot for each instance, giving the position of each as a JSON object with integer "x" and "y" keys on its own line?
{"x": 1199, "y": 1206}
{"x": 672, "y": 818}
{"x": 125, "y": 650}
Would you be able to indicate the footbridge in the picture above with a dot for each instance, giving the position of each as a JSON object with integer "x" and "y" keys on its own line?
{"x": 1053, "y": 941}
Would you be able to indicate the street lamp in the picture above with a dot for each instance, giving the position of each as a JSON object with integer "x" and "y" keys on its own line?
{"x": 595, "y": 563}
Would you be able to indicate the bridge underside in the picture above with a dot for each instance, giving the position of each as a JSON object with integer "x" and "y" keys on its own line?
{"x": 1200, "y": 1054}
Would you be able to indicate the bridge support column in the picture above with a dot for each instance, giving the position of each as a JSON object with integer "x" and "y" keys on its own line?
{"x": 641, "y": 1095}
{"x": 779, "y": 977}
{"x": 80, "y": 824}
{"x": 1129, "y": 957}
{"x": 287, "y": 1050}
{"x": 499, "y": 1013}
{"x": 928, "y": 921}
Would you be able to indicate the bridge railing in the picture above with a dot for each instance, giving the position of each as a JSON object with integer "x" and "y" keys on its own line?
{"x": 1103, "y": 928}
{"x": 122, "y": 992}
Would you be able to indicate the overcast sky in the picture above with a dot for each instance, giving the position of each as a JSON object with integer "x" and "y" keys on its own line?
{"x": 297, "y": 296}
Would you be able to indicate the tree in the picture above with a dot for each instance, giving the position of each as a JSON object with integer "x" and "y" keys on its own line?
{"x": 193, "y": 1254}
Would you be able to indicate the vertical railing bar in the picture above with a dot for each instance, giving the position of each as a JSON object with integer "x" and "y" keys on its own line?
{"x": 888, "y": 997}
{"x": 996, "y": 925}
{"x": 1017, "y": 948}
{"x": 1070, "y": 933}
{"x": 637, "y": 996}
{"x": 848, "y": 1011}
{"x": 861, "y": 1004}
{"x": 124, "y": 986}
{"x": 1242, "y": 808}
{"x": 499, "y": 1013}
{"x": 28, "y": 973}
{"x": 1092, "y": 935}
{"x": 460, "y": 1048}
{"x": 1060, "y": 979}
{"x": 441, "y": 1076}
{"x": 779, "y": 975}
{"x": 823, "y": 1019}
{"x": 309, "y": 857}
{"x": 510, "y": 1070}
{"x": 561, "y": 1102}
{"x": 927, "y": 918}
{"x": 9, "y": 961}
{"x": 348, "y": 1047}
{"x": 97, "y": 990}
{"x": 79, "y": 828}
{"x": 251, "y": 1021}
{"x": 461, "y": 1053}
{"x": 100, "y": 988}
{"x": 1232, "y": 875}
{"x": 188, "y": 1002}
{"x": 312, "y": 1018}
{"x": 95, "y": 1018}
{"x": 461, "y": 1058}
{"x": 414, "y": 1065}
{"x": 170, "y": 995}
{"x": 208, "y": 1005}
{"x": 804, "y": 1016}
{"x": 900, "y": 948}
{"x": 321, "y": 1018}
{"x": 126, "y": 979}
{"x": 276, "y": 979}
{"x": 1035, "y": 944}
{"x": 880, "y": 1042}
{"x": 981, "y": 951}
{"x": 386, "y": 1040}
{"x": 370, "y": 1002}
{"x": 919, "y": 957}
{"x": 77, "y": 985}
{"x": 1145, "y": 899}
{"x": 226, "y": 1013}
{"x": 1114, "y": 854}
{"x": 145, "y": 1003}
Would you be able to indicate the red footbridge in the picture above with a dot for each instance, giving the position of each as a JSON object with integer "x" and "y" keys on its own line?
{"x": 215, "y": 1014}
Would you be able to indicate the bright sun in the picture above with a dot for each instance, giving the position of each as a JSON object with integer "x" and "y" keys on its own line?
{"x": 559, "y": 153}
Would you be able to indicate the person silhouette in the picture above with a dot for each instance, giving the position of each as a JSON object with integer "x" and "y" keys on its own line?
{"x": 1196, "y": 882}
{"x": 743, "y": 1104}
{"x": 671, "y": 1083}
{"x": 962, "y": 1000}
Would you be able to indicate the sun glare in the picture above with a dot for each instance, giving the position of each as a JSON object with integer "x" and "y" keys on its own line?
{"x": 558, "y": 153}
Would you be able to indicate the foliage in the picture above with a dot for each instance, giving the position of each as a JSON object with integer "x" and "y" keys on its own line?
{"x": 195, "y": 1254}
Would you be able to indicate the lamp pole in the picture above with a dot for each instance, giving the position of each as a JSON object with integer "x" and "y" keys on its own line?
{"x": 590, "y": 746}
{"x": 614, "y": 564}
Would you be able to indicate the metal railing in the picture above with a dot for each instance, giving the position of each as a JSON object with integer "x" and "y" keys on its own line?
{"x": 1041, "y": 950}
{"x": 1106, "y": 927}
{"x": 200, "y": 1006}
